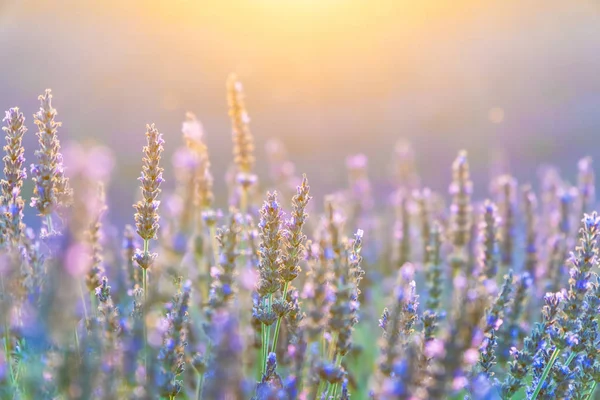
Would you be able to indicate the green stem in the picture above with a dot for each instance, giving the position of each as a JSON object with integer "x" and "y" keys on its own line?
{"x": 77, "y": 343}
{"x": 7, "y": 353}
{"x": 278, "y": 325}
{"x": 145, "y": 289}
{"x": 85, "y": 313}
{"x": 571, "y": 357}
{"x": 262, "y": 352}
{"x": 538, "y": 387}
{"x": 593, "y": 389}
{"x": 7, "y": 337}
{"x": 333, "y": 389}
{"x": 49, "y": 223}
{"x": 266, "y": 338}
{"x": 199, "y": 384}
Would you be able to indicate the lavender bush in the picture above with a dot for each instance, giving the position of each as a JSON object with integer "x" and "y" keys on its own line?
{"x": 269, "y": 298}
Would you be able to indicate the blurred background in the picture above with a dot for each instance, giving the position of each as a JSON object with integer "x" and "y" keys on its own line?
{"x": 328, "y": 77}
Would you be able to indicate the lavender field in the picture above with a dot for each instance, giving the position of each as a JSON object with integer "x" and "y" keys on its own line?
{"x": 274, "y": 297}
{"x": 380, "y": 201}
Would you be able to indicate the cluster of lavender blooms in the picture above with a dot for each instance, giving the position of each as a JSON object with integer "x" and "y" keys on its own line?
{"x": 257, "y": 300}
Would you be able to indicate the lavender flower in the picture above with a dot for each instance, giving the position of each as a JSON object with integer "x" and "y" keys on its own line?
{"x": 533, "y": 347}
{"x": 203, "y": 179}
{"x": 344, "y": 312}
{"x": 487, "y": 355}
{"x": 271, "y": 237}
{"x": 434, "y": 283}
{"x": 271, "y": 381}
{"x": 146, "y": 217}
{"x": 317, "y": 290}
{"x": 172, "y": 352}
{"x": 10, "y": 194}
{"x": 496, "y": 312}
{"x": 294, "y": 248}
{"x": 294, "y": 237}
{"x": 488, "y": 237}
{"x": 402, "y": 231}
{"x": 531, "y": 249}
{"x": 96, "y": 270}
{"x": 223, "y": 286}
{"x": 511, "y": 331}
{"x": 583, "y": 261}
{"x": 398, "y": 323}
{"x": 243, "y": 141}
{"x": 461, "y": 190}
{"x": 423, "y": 199}
{"x": 508, "y": 187}
{"x": 51, "y": 189}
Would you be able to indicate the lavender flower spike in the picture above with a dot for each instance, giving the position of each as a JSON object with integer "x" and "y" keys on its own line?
{"x": 461, "y": 189}
{"x": 270, "y": 251}
{"x": 10, "y": 194}
{"x": 52, "y": 188}
{"x": 146, "y": 216}
{"x": 507, "y": 204}
{"x": 243, "y": 141}
{"x": 488, "y": 258}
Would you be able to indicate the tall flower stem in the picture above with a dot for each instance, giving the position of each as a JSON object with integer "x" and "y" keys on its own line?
{"x": 7, "y": 339}
{"x": 85, "y": 313}
{"x": 333, "y": 389}
{"x": 259, "y": 370}
{"x": 547, "y": 369}
{"x": 199, "y": 381}
{"x": 145, "y": 289}
{"x": 592, "y": 390}
{"x": 278, "y": 325}
{"x": 267, "y": 336}
{"x": 49, "y": 223}
{"x": 7, "y": 353}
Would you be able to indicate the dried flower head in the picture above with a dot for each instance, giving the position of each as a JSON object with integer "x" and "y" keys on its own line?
{"x": 52, "y": 188}
{"x": 146, "y": 216}
{"x": 270, "y": 246}
{"x": 243, "y": 142}
{"x": 14, "y": 173}
{"x": 294, "y": 237}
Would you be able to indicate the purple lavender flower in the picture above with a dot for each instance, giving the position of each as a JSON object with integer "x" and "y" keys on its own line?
{"x": 488, "y": 237}
{"x": 172, "y": 352}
